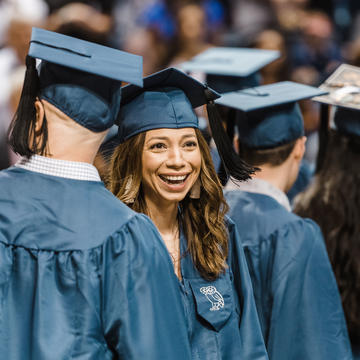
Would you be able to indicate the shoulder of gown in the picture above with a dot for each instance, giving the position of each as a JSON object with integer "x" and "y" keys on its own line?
{"x": 294, "y": 286}
{"x": 82, "y": 273}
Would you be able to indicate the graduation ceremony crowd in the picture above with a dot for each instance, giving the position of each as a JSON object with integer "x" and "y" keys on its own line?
{"x": 179, "y": 180}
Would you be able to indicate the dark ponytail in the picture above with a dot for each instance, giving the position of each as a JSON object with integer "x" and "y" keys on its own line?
{"x": 23, "y": 125}
{"x": 233, "y": 164}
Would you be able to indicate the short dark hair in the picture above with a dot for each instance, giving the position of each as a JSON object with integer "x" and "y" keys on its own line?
{"x": 23, "y": 124}
{"x": 272, "y": 156}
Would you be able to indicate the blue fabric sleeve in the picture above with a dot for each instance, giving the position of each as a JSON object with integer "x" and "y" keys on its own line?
{"x": 307, "y": 320}
{"x": 250, "y": 331}
{"x": 147, "y": 323}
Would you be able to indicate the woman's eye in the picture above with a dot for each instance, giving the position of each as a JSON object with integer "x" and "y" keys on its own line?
{"x": 190, "y": 144}
{"x": 157, "y": 146}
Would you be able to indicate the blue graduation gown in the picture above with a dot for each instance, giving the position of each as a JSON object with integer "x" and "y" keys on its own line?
{"x": 82, "y": 276}
{"x": 221, "y": 314}
{"x": 295, "y": 290}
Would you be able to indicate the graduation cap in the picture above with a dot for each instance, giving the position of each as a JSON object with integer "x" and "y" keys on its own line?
{"x": 167, "y": 100}
{"x": 269, "y": 115}
{"x": 83, "y": 79}
{"x": 230, "y": 69}
{"x": 343, "y": 87}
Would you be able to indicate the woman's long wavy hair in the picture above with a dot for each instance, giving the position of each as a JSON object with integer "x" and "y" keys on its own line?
{"x": 202, "y": 219}
{"x": 333, "y": 201}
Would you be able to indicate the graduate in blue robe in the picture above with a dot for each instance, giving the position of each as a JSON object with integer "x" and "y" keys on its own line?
{"x": 233, "y": 332}
{"x": 335, "y": 207}
{"x": 81, "y": 275}
{"x": 220, "y": 311}
{"x": 295, "y": 289}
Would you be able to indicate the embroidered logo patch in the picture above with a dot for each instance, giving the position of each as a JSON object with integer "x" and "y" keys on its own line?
{"x": 215, "y": 298}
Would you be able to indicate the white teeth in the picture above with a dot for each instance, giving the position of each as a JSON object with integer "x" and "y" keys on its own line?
{"x": 175, "y": 178}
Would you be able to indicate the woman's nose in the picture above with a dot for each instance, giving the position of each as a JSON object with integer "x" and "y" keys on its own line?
{"x": 175, "y": 158}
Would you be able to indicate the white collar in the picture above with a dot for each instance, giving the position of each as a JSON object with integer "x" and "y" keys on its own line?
{"x": 259, "y": 186}
{"x": 66, "y": 169}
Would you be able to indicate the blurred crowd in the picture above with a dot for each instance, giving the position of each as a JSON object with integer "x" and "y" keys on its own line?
{"x": 314, "y": 37}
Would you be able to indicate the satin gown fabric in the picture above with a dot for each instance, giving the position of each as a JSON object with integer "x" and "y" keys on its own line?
{"x": 82, "y": 276}
{"x": 221, "y": 315}
{"x": 295, "y": 290}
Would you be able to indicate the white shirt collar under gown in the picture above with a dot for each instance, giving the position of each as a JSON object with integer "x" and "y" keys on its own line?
{"x": 259, "y": 186}
{"x": 66, "y": 169}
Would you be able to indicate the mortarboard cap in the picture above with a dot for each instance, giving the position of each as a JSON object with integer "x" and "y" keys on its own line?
{"x": 81, "y": 78}
{"x": 167, "y": 101}
{"x": 343, "y": 88}
{"x": 269, "y": 115}
{"x": 230, "y": 69}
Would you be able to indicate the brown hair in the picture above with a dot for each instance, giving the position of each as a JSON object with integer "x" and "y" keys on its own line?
{"x": 274, "y": 156}
{"x": 203, "y": 219}
{"x": 333, "y": 201}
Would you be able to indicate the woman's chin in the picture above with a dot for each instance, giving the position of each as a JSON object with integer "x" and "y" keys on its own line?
{"x": 172, "y": 196}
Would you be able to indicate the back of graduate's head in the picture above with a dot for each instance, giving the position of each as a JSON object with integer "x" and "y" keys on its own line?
{"x": 273, "y": 140}
{"x": 271, "y": 136}
{"x": 269, "y": 124}
{"x": 76, "y": 80}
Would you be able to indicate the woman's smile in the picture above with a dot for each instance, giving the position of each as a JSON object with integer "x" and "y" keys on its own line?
{"x": 174, "y": 182}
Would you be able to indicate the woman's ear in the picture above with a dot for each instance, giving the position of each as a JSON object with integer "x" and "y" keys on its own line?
{"x": 40, "y": 113}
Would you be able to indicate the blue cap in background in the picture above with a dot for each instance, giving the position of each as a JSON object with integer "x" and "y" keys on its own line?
{"x": 83, "y": 79}
{"x": 269, "y": 115}
{"x": 343, "y": 88}
{"x": 230, "y": 69}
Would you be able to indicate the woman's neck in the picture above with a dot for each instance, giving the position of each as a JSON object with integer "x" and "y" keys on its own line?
{"x": 165, "y": 217}
{"x": 163, "y": 214}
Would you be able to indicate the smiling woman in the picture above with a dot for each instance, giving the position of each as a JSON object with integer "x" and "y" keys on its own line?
{"x": 168, "y": 170}
{"x": 163, "y": 168}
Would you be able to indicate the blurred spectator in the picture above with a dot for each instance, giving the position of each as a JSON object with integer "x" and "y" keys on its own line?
{"x": 289, "y": 13}
{"x": 191, "y": 33}
{"x": 315, "y": 49}
{"x": 149, "y": 44}
{"x": 249, "y": 19}
{"x": 278, "y": 70}
{"x": 126, "y": 14}
{"x": 104, "y": 6}
{"x": 17, "y": 18}
{"x": 81, "y": 21}
{"x": 29, "y": 10}
{"x": 308, "y": 75}
{"x": 169, "y": 29}
{"x": 353, "y": 52}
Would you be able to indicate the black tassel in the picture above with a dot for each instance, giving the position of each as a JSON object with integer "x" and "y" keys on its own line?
{"x": 233, "y": 164}
{"x": 24, "y": 121}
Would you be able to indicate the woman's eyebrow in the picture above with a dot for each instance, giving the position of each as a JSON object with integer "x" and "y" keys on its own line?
{"x": 157, "y": 138}
{"x": 188, "y": 136}
{"x": 167, "y": 138}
